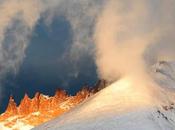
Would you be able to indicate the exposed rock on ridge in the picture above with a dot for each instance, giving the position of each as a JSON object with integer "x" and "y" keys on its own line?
{"x": 43, "y": 108}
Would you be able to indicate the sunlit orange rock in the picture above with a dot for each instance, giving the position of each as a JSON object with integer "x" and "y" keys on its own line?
{"x": 59, "y": 97}
{"x": 84, "y": 93}
{"x": 43, "y": 108}
{"x": 60, "y": 94}
{"x": 24, "y": 107}
{"x": 11, "y": 108}
{"x": 44, "y": 104}
{"x": 34, "y": 106}
{"x": 10, "y": 111}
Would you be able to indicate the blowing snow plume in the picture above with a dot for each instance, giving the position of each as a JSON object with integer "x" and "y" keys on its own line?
{"x": 124, "y": 33}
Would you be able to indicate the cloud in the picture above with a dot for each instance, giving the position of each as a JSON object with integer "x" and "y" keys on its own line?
{"x": 82, "y": 16}
{"x": 131, "y": 36}
{"x": 19, "y": 18}
{"x": 126, "y": 36}
{"x": 12, "y": 11}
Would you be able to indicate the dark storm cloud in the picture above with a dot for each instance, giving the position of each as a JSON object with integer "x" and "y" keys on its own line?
{"x": 20, "y": 18}
{"x": 18, "y": 22}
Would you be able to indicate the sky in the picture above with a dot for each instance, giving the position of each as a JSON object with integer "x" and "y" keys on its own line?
{"x": 49, "y": 44}
{"x": 46, "y": 67}
{"x": 45, "y": 45}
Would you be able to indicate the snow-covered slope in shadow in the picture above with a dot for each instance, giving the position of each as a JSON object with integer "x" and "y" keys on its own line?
{"x": 164, "y": 74}
{"x": 122, "y": 106}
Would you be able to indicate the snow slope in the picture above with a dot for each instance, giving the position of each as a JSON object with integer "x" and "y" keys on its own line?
{"x": 164, "y": 74}
{"x": 123, "y": 106}
{"x": 17, "y": 126}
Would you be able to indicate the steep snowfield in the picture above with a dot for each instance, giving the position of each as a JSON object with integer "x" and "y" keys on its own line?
{"x": 124, "y": 106}
{"x": 164, "y": 74}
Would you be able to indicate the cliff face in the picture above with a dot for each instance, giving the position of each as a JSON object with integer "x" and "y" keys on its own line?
{"x": 11, "y": 108}
{"x": 40, "y": 108}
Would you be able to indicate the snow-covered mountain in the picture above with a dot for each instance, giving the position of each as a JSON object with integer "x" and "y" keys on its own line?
{"x": 125, "y": 106}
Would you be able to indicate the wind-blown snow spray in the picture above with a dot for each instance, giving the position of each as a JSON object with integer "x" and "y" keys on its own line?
{"x": 124, "y": 32}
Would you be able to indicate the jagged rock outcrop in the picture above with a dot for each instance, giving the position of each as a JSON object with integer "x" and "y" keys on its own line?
{"x": 34, "y": 107}
{"x": 24, "y": 106}
{"x": 101, "y": 84}
{"x": 11, "y": 108}
{"x": 42, "y": 108}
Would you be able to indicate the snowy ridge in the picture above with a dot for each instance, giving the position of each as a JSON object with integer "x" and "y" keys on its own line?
{"x": 39, "y": 109}
{"x": 123, "y": 106}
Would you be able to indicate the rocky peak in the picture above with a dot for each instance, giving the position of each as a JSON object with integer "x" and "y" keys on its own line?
{"x": 101, "y": 84}
{"x": 34, "y": 107}
{"x": 44, "y": 103}
{"x": 24, "y": 106}
{"x": 60, "y": 94}
{"x": 36, "y": 97}
{"x": 84, "y": 93}
{"x": 12, "y": 107}
{"x": 42, "y": 108}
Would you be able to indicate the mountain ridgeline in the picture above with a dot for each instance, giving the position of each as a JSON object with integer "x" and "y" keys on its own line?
{"x": 42, "y": 108}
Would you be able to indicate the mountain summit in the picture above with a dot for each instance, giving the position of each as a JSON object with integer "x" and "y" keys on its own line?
{"x": 124, "y": 106}
{"x": 39, "y": 109}
{"x": 42, "y": 108}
